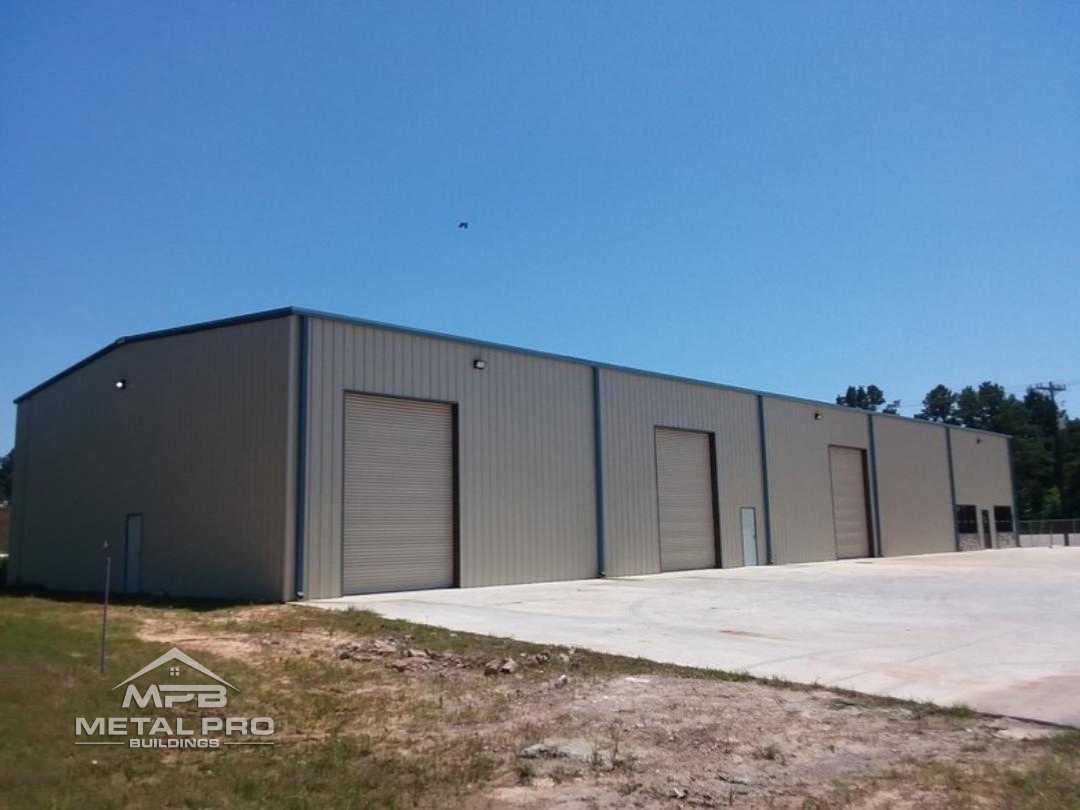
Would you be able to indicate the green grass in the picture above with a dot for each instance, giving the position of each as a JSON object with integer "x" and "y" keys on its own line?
{"x": 49, "y": 666}
{"x": 353, "y": 734}
{"x": 1051, "y": 782}
{"x": 1041, "y": 775}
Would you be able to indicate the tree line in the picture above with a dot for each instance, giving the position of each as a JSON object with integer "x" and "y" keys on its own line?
{"x": 1045, "y": 445}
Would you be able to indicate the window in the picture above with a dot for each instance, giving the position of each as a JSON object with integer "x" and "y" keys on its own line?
{"x": 1003, "y": 521}
{"x": 966, "y": 520}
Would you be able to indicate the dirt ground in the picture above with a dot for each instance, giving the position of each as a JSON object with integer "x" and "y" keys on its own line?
{"x": 569, "y": 732}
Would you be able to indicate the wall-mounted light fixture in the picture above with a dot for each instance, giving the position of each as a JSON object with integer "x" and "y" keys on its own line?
{"x": 120, "y": 384}
{"x": 479, "y": 364}
{"x": 978, "y": 440}
{"x": 817, "y": 416}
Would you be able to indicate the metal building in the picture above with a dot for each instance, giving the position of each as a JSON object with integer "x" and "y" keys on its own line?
{"x": 295, "y": 453}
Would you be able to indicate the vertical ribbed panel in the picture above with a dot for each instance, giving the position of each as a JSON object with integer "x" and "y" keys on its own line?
{"x": 913, "y": 487}
{"x": 800, "y": 494}
{"x": 634, "y": 406}
{"x": 197, "y": 443}
{"x": 847, "y": 471}
{"x": 684, "y": 497}
{"x": 981, "y": 468}
{"x": 525, "y": 450}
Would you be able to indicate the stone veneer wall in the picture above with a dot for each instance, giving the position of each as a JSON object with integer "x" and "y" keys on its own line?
{"x": 1006, "y": 540}
{"x": 971, "y": 542}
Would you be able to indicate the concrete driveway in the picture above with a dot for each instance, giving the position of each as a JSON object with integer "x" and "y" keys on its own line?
{"x": 998, "y": 631}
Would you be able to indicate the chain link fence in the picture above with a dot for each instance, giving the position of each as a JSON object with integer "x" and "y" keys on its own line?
{"x": 1064, "y": 532}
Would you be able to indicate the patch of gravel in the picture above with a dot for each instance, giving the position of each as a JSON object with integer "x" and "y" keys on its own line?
{"x": 658, "y": 742}
{"x": 647, "y": 741}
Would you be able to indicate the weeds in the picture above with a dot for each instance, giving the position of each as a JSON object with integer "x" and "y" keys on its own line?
{"x": 355, "y": 733}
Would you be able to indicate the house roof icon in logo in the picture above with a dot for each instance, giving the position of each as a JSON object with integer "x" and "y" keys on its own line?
{"x": 176, "y": 654}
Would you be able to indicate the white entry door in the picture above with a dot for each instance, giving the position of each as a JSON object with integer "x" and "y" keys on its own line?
{"x": 748, "y": 516}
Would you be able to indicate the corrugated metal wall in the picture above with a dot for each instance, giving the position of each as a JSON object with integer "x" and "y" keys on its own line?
{"x": 913, "y": 487}
{"x": 981, "y": 470}
{"x": 526, "y": 449}
{"x": 198, "y": 443}
{"x": 632, "y": 406}
{"x": 800, "y": 495}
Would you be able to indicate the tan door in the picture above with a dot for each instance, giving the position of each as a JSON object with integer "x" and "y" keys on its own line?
{"x": 848, "y": 472}
{"x": 685, "y": 500}
{"x": 398, "y": 530}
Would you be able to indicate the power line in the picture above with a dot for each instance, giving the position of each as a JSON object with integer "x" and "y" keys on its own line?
{"x": 1011, "y": 388}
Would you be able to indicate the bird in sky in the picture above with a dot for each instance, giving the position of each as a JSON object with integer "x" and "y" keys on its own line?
{"x": 463, "y": 225}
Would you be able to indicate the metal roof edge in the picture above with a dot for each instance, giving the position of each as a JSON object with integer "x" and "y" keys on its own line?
{"x": 137, "y": 338}
{"x": 332, "y": 316}
{"x": 487, "y": 344}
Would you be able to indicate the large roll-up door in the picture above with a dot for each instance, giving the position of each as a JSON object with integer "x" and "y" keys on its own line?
{"x": 847, "y": 467}
{"x": 399, "y": 495}
{"x": 685, "y": 499}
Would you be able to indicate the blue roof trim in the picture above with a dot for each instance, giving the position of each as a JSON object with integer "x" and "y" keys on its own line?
{"x": 487, "y": 344}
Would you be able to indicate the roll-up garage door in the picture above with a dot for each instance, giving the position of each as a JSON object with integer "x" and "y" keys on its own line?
{"x": 848, "y": 471}
{"x": 685, "y": 499}
{"x": 399, "y": 495}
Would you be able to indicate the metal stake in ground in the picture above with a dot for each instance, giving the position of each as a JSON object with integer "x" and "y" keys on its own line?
{"x": 105, "y": 606}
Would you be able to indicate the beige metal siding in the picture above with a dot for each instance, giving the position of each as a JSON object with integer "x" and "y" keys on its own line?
{"x": 847, "y": 471}
{"x": 684, "y": 499}
{"x": 399, "y": 495}
{"x": 800, "y": 493}
{"x": 913, "y": 487}
{"x": 981, "y": 470}
{"x": 197, "y": 443}
{"x": 633, "y": 405}
{"x": 525, "y": 436}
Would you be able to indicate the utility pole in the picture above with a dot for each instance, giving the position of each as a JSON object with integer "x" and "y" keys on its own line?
{"x": 1059, "y": 475}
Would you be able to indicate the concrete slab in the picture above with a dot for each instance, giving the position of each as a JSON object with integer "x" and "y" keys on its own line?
{"x": 998, "y": 631}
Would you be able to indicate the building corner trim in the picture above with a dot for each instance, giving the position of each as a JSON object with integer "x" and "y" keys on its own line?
{"x": 1009, "y": 447}
{"x": 301, "y": 457}
{"x": 952, "y": 486}
{"x": 766, "y": 513}
{"x": 879, "y": 544}
{"x": 598, "y": 464}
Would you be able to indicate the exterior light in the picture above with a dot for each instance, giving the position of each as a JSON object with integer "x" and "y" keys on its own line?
{"x": 479, "y": 364}
{"x": 817, "y": 416}
{"x": 120, "y": 384}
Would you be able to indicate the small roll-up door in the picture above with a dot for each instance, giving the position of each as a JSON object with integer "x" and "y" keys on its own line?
{"x": 398, "y": 531}
{"x": 685, "y": 500}
{"x": 847, "y": 468}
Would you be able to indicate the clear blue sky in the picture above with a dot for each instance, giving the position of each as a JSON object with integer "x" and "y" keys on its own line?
{"x": 791, "y": 197}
